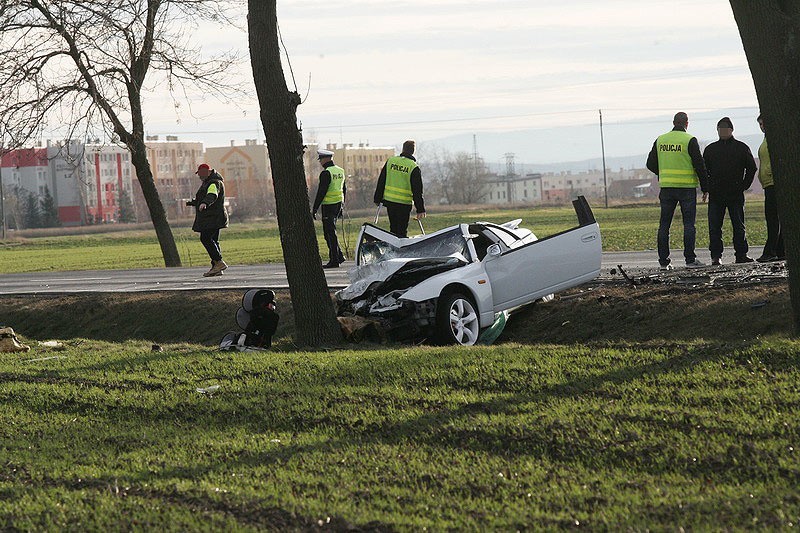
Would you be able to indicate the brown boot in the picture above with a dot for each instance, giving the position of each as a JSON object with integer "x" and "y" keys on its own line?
{"x": 216, "y": 269}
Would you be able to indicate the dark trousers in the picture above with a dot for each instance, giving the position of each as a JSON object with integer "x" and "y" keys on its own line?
{"x": 398, "y": 218}
{"x": 330, "y": 212}
{"x": 717, "y": 205}
{"x": 774, "y": 245}
{"x": 210, "y": 240}
{"x": 670, "y": 197}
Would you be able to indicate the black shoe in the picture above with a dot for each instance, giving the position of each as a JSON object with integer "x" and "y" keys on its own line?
{"x": 716, "y": 261}
{"x": 767, "y": 258}
{"x": 330, "y": 265}
{"x": 744, "y": 259}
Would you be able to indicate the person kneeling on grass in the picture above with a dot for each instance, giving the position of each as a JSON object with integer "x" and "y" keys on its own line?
{"x": 210, "y": 215}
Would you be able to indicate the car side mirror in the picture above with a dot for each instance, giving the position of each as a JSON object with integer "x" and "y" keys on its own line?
{"x": 494, "y": 250}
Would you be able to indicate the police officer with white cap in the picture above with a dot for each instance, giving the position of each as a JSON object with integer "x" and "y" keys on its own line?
{"x": 330, "y": 196}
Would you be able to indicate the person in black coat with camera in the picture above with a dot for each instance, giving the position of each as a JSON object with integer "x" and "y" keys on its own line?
{"x": 210, "y": 215}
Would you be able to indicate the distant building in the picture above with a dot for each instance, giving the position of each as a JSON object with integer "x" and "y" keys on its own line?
{"x": 23, "y": 172}
{"x": 88, "y": 179}
{"x": 173, "y": 164}
{"x": 248, "y": 176}
{"x": 362, "y": 164}
{"x": 515, "y": 189}
{"x": 27, "y": 169}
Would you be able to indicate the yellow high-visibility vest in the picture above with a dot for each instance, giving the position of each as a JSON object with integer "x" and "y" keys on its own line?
{"x": 764, "y": 166}
{"x": 675, "y": 167}
{"x": 398, "y": 180}
{"x": 335, "y": 194}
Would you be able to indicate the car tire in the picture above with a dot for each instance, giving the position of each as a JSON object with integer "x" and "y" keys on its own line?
{"x": 457, "y": 320}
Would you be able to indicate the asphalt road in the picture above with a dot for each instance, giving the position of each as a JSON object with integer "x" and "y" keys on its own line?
{"x": 271, "y": 275}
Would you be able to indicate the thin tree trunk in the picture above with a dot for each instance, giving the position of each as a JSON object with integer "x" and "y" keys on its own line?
{"x": 315, "y": 318}
{"x": 770, "y": 31}
{"x": 157, "y": 214}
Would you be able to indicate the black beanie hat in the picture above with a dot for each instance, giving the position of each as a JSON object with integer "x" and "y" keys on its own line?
{"x": 725, "y": 122}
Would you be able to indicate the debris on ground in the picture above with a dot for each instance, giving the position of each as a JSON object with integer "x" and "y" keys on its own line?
{"x": 360, "y": 329}
{"x": 709, "y": 276}
{"x": 53, "y": 345}
{"x": 210, "y": 390}
{"x": 39, "y": 359}
{"x": 490, "y": 334}
{"x": 9, "y": 342}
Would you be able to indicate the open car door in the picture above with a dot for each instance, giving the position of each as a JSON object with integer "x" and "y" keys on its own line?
{"x": 522, "y": 275}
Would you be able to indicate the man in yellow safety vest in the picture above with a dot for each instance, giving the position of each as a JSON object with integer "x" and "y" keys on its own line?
{"x": 330, "y": 196}
{"x": 400, "y": 183}
{"x": 676, "y": 159}
{"x": 774, "y": 249}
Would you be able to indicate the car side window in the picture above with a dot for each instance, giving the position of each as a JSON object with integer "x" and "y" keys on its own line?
{"x": 482, "y": 239}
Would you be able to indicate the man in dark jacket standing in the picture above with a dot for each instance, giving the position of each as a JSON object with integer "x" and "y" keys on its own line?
{"x": 731, "y": 168}
{"x": 399, "y": 183}
{"x": 210, "y": 215}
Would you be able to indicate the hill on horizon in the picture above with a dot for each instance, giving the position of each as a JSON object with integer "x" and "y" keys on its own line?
{"x": 578, "y": 148}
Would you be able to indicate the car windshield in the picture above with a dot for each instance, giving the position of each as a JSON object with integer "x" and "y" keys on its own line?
{"x": 374, "y": 250}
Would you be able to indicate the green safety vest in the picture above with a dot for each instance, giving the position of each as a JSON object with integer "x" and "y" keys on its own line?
{"x": 675, "y": 167}
{"x": 334, "y": 194}
{"x": 764, "y": 166}
{"x": 398, "y": 180}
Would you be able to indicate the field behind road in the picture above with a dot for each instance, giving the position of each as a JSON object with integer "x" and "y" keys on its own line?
{"x": 622, "y": 228}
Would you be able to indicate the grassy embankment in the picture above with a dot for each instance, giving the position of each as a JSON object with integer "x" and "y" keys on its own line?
{"x": 653, "y": 408}
{"x": 689, "y": 434}
{"x": 623, "y": 228}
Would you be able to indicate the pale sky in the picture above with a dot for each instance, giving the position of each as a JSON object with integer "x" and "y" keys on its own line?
{"x": 381, "y": 72}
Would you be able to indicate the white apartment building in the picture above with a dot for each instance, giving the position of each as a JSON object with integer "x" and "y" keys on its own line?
{"x": 515, "y": 190}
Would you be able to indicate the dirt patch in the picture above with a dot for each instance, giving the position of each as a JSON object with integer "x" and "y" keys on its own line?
{"x": 200, "y": 317}
{"x": 620, "y": 312}
{"x": 713, "y": 304}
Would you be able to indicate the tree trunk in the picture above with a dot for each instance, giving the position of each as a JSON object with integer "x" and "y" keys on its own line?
{"x": 314, "y": 316}
{"x": 770, "y": 31}
{"x": 157, "y": 214}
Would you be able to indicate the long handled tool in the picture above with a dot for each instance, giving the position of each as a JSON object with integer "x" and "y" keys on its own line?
{"x": 378, "y": 212}
{"x": 420, "y": 225}
{"x": 345, "y": 232}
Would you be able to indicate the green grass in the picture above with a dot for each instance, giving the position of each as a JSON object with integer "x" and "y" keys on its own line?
{"x": 622, "y": 228}
{"x": 691, "y": 434}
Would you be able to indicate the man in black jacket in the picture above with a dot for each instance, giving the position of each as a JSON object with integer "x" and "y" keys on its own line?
{"x": 210, "y": 215}
{"x": 731, "y": 168}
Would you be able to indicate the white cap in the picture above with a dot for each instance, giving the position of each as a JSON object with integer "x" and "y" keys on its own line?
{"x": 324, "y": 153}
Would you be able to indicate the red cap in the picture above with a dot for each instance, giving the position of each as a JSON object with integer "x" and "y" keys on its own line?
{"x": 202, "y": 166}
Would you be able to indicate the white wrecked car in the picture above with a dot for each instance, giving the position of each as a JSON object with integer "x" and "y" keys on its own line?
{"x": 450, "y": 285}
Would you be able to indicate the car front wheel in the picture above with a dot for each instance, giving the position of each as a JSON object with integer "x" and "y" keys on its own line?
{"x": 456, "y": 320}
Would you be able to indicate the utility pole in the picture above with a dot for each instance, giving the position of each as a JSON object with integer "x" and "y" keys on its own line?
{"x": 475, "y": 156}
{"x": 603, "y": 150}
{"x": 510, "y": 173}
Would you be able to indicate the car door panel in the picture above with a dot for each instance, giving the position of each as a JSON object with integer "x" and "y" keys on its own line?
{"x": 521, "y": 275}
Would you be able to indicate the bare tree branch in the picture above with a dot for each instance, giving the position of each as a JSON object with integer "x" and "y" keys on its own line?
{"x": 83, "y": 65}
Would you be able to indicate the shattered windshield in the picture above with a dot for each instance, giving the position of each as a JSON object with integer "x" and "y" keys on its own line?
{"x": 374, "y": 250}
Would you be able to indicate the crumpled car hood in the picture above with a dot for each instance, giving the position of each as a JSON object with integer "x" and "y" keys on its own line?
{"x": 384, "y": 272}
